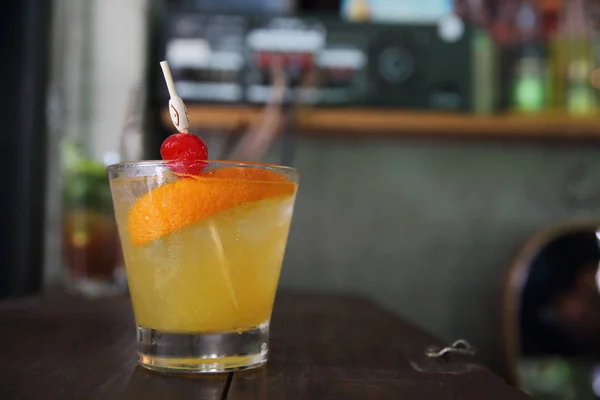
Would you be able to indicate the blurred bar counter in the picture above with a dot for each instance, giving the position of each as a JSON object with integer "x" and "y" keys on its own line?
{"x": 391, "y": 122}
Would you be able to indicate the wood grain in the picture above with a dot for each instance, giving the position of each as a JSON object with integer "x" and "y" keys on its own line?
{"x": 69, "y": 348}
{"x": 322, "y": 347}
{"x": 346, "y": 348}
{"x": 389, "y": 122}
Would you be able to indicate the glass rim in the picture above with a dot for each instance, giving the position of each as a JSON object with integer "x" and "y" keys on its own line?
{"x": 165, "y": 163}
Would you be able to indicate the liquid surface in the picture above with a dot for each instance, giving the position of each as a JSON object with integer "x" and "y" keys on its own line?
{"x": 217, "y": 274}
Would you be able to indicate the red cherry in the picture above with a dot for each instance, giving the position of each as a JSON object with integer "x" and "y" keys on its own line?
{"x": 185, "y": 147}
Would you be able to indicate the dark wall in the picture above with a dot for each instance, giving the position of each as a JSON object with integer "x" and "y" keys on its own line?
{"x": 24, "y": 41}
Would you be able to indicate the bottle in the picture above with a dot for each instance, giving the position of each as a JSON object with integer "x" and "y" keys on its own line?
{"x": 529, "y": 68}
{"x": 91, "y": 249}
{"x": 573, "y": 61}
{"x": 594, "y": 17}
{"x": 549, "y": 13}
{"x": 503, "y": 26}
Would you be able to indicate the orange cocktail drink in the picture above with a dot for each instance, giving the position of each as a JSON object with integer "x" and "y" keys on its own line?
{"x": 203, "y": 255}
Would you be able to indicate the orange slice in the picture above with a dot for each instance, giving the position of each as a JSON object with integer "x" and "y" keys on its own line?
{"x": 171, "y": 207}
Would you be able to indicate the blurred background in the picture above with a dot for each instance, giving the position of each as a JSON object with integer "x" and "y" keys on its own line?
{"x": 445, "y": 146}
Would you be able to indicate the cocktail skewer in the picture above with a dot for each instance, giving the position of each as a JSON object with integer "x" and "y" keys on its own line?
{"x": 178, "y": 113}
{"x": 177, "y": 108}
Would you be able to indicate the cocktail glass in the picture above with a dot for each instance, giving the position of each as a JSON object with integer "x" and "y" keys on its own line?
{"x": 203, "y": 256}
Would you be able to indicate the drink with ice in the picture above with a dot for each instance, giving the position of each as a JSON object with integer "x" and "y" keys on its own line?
{"x": 203, "y": 256}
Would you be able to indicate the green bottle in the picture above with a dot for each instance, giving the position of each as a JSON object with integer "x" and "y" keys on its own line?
{"x": 530, "y": 64}
{"x": 574, "y": 60}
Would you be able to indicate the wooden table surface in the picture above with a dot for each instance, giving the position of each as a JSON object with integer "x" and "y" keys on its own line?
{"x": 322, "y": 347}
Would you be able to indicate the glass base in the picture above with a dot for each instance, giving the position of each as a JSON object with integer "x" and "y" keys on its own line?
{"x": 203, "y": 353}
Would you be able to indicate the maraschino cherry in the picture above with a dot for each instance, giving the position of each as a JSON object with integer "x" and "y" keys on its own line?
{"x": 187, "y": 148}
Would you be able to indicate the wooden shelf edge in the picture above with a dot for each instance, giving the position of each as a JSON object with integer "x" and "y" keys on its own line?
{"x": 372, "y": 122}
